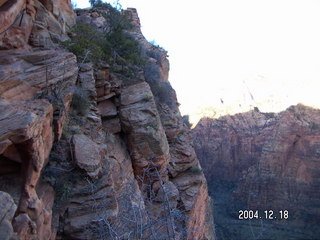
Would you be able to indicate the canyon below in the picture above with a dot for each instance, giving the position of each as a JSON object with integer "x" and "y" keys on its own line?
{"x": 93, "y": 145}
{"x": 259, "y": 161}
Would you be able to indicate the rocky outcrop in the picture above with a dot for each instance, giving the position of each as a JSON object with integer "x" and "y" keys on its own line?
{"x": 35, "y": 97}
{"x": 182, "y": 166}
{"x": 43, "y": 74}
{"x": 158, "y": 56}
{"x": 31, "y": 137}
{"x": 33, "y": 111}
{"x": 141, "y": 122}
{"x": 274, "y": 157}
{"x": 290, "y": 163}
{"x": 87, "y": 155}
{"x": 40, "y": 23}
{"x": 230, "y": 144}
{"x": 7, "y": 210}
{"x": 98, "y": 153}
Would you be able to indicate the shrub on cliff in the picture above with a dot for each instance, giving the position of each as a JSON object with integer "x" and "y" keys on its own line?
{"x": 88, "y": 44}
{"x": 115, "y": 46}
{"x": 80, "y": 101}
{"x": 164, "y": 92}
{"x": 152, "y": 73}
{"x": 161, "y": 90}
{"x": 186, "y": 121}
{"x": 124, "y": 47}
{"x": 155, "y": 55}
{"x": 94, "y": 2}
{"x": 195, "y": 170}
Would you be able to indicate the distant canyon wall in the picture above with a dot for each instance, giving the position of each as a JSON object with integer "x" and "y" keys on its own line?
{"x": 272, "y": 157}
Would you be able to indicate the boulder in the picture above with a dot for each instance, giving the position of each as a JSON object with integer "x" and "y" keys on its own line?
{"x": 107, "y": 109}
{"x": 87, "y": 155}
{"x": 7, "y": 210}
{"x": 140, "y": 120}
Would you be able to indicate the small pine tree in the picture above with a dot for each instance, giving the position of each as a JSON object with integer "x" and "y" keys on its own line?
{"x": 95, "y": 2}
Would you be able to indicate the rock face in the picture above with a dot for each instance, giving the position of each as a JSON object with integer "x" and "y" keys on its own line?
{"x": 27, "y": 132}
{"x": 274, "y": 157}
{"x": 35, "y": 97}
{"x": 87, "y": 152}
{"x": 30, "y": 124}
{"x": 229, "y": 145}
{"x": 8, "y": 209}
{"x": 160, "y": 56}
{"x": 140, "y": 120}
{"x": 36, "y": 23}
{"x": 87, "y": 155}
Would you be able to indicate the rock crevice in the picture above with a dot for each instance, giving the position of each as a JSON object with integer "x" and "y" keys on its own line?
{"x": 88, "y": 151}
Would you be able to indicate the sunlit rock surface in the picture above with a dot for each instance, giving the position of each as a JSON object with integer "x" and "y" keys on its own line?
{"x": 87, "y": 153}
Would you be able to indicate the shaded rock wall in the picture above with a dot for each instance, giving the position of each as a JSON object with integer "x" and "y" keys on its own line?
{"x": 86, "y": 153}
{"x": 30, "y": 124}
{"x": 229, "y": 145}
{"x": 273, "y": 157}
{"x": 37, "y": 23}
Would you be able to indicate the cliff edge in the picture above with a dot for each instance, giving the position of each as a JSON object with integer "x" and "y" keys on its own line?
{"x": 92, "y": 143}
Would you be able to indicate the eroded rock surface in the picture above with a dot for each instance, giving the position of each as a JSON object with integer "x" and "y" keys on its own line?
{"x": 140, "y": 120}
{"x": 34, "y": 101}
{"x": 98, "y": 154}
{"x": 7, "y": 210}
{"x": 274, "y": 157}
{"x": 87, "y": 155}
{"x": 37, "y": 23}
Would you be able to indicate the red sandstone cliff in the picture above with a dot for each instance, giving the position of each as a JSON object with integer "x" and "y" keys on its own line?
{"x": 273, "y": 158}
{"x": 122, "y": 168}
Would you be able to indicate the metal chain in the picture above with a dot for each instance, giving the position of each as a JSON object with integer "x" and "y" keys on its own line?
{"x": 20, "y": 15}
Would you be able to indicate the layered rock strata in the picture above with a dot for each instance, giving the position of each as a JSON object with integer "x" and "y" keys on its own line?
{"x": 274, "y": 158}
{"x": 37, "y": 23}
{"x": 118, "y": 164}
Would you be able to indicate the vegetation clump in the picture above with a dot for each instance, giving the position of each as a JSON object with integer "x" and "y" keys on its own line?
{"x": 114, "y": 45}
{"x": 162, "y": 91}
{"x": 80, "y": 101}
{"x": 195, "y": 170}
{"x": 88, "y": 44}
{"x": 186, "y": 121}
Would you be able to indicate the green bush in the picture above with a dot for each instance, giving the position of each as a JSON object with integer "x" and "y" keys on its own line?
{"x": 94, "y": 2}
{"x": 117, "y": 18}
{"x": 155, "y": 54}
{"x": 196, "y": 170}
{"x": 162, "y": 91}
{"x": 165, "y": 92}
{"x": 152, "y": 73}
{"x": 116, "y": 46}
{"x": 80, "y": 101}
{"x": 122, "y": 44}
{"x": 186, "y": 121}
{"x": 124, "y": 47}
{"x": 88, "y": 44}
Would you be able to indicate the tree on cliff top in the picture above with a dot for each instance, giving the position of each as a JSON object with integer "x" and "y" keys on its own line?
{"x": 95, "y": 2}
{"x": 115, "y": 45}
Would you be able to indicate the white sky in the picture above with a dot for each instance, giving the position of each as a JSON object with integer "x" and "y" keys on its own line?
{"x": 232, "y": 49}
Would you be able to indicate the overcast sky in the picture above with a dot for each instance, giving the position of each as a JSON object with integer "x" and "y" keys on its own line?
{"x": 243, "y": 53}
